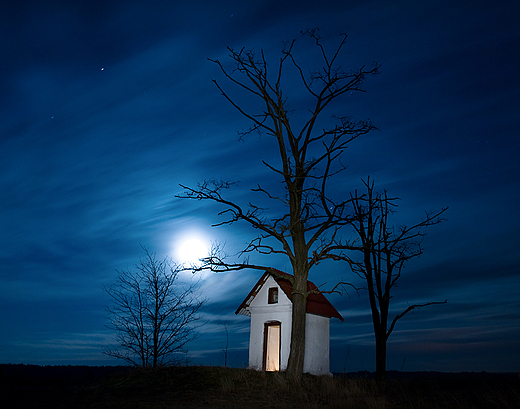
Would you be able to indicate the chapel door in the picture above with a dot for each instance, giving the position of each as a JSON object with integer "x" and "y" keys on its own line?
{"x": 272, "y": 346}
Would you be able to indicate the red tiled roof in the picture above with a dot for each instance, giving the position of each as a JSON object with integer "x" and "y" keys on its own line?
{"x": 317, "y": 303}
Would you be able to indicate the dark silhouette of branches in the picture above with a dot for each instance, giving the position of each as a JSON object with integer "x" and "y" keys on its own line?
{"x": 378, "y": 256}
{"x": 153, "y": 313}
{"x": 306, "y": 229}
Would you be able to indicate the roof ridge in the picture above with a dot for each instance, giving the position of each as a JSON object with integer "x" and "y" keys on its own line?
{"x": 317, "y": 303}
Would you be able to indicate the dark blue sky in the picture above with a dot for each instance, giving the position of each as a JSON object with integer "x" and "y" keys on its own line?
{"x": 106, "y": 107}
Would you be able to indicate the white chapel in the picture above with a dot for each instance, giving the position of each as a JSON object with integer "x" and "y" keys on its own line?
{"x": 269, "y": 304}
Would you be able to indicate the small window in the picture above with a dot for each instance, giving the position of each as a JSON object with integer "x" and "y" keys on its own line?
{"x": 273, "y": 295}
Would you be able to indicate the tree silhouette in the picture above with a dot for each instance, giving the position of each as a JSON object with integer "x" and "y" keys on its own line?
{"x": 382, "y": 251}
{"x": 302, "y": 222}
{"x": 152, "y": 313}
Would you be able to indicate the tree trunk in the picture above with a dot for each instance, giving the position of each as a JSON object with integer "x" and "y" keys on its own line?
{"x": 381, "y": 356}
{"x": 156, "y": 330}
{"x": 297, "y": 353}
{"x": 155, "y": 350}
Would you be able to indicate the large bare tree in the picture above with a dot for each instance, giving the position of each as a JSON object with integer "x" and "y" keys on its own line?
{"x": 153, "y": 313}
{"x": 378, "y": 254}
{"x": 302, "y": 222}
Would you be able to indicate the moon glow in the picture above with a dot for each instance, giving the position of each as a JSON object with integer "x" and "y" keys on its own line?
{"x": 192, "y": 250}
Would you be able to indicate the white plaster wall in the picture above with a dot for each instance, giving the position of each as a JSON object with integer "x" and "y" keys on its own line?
{"x": 262, "y": 312}
{"x": 316, "y": 360}
{"x": 317, "y": 343}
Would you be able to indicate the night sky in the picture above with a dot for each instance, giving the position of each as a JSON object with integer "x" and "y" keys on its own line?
{"x": 107, "y": 106}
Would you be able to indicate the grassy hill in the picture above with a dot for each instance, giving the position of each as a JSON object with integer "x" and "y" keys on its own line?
{"x": 26, "y": 386}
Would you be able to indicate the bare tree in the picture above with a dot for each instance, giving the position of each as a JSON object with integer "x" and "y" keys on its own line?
{"x": 301, "y": 222}
{"x": 153, "y": 313}
{"x": 383, "y": 251}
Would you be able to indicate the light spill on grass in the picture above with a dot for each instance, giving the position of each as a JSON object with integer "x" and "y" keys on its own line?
{"x": 279, "y": 390}
{"x": 198, "y": 387}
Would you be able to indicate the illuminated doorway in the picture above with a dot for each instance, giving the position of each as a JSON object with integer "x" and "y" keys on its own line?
{"x": 272, "y": 334}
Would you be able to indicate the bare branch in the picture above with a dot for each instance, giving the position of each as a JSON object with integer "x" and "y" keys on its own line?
{"x": 308, "y": 227}
{"x": 407, "y": 310}
{"x": 383, "y": 251}
{"x": 153, "y": 314}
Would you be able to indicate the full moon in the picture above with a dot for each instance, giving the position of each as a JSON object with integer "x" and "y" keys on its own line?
{"x": 192, "y": 250}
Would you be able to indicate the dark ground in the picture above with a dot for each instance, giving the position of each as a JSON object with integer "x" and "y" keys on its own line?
{"x": 30, "y": 386}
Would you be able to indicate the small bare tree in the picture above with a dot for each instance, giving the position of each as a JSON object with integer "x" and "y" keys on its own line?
{"x": 153, "y": 313}
{"x": 383, "y": 251}
{"x": 301, "y": 222}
